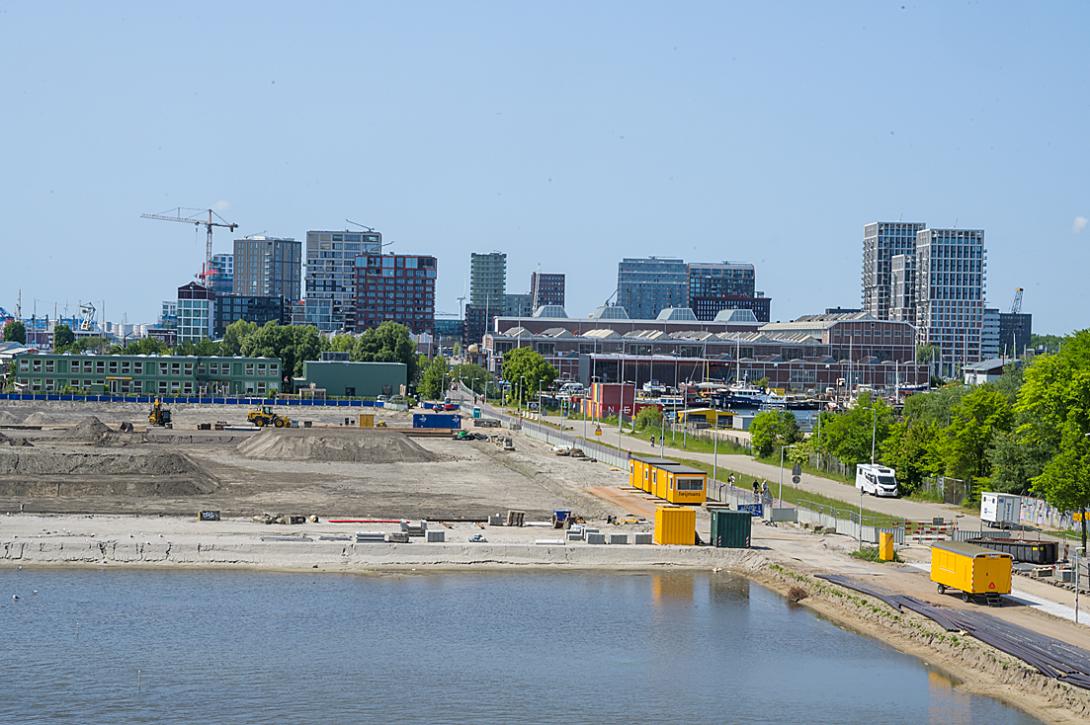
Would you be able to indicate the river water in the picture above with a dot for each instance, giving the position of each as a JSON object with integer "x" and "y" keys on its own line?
{"x": 237, "y": 647}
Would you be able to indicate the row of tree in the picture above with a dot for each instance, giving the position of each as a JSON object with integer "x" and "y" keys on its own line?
{"x": 1026, "y": 433}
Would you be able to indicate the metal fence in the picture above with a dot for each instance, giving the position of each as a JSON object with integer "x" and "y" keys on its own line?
{"x": 946, "y": 489}
{"x": 193, "y": 399}
{"x": 844, "y": 520}
{"x": 828, "y": 464}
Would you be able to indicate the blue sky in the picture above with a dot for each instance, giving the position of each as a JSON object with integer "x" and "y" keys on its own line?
{"x": 569, "y": 134}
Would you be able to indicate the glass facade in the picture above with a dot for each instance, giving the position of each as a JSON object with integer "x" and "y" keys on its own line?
{"x": 268, "y": 267}
{"x": 647, "y": 286}
{"x": 881, "y": 242}
{"x": 714, "y": 287}
{"x": 330, "y": 275}
{"x": 950, "y": 287}
{"x": 195, "y": 310}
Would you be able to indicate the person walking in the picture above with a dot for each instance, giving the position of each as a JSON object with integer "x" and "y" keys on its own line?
{"x": 756, "y": 491}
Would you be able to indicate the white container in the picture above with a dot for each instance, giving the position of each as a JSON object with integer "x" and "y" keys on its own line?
{"x": 1001, "y": 510}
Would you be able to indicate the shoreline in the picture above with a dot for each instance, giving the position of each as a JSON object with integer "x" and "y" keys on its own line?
{"x": 975, "y": 667}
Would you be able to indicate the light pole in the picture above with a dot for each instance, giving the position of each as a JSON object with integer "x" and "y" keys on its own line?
{"x": 715, "y": 449}
{"x": 662, "y": 432}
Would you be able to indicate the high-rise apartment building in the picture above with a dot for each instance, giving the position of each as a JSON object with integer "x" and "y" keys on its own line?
{"x": 881, "y": 242}
{"x": 196, "y": 312}
{"x": 222, "y": 278}
{"x": 488, "y": 280}
{"x": 646, "y": 286}
{"x": 714, "y": 286}
{"x": 395, "y": 287}
{"x": 331, "y": 274}
{"x": 951, "y": 276}
{"x": 257, "y": 309}
{"x": 268, "y": 267}
{"x": 546, "y": 289}
{"x": 902, "y": 296}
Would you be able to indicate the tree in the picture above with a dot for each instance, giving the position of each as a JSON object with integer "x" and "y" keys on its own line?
{"x": 527, "y": 372}
{"x": 15, "y": 331}
{"x": 203, "y": 347}
{"x": 850, "y": 436}
{"x": 234, "y": 336}
{"x": 649, "y": 417}
{"x": 433, "y": 378}
{"x": 293, "y": 344}
{"x": 981, "y": 414}
{"x": 62, "y": 338}
{"x": 771, "y": 429}
{"x": 342, "y": 342}
{"x": 1054, "y": 405}
{"x": 474, "y": 376}
{"x": 146, "y": 346}
{"x": 389, "y": 342}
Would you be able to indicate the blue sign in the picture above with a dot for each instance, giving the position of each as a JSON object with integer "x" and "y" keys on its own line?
{"x": 754, "y": 509}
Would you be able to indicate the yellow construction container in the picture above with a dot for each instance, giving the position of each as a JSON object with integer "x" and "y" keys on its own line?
{"x": 682, "y": 484}
{"x": 675, "y": 525}
{"x": 367, "y": 420}
{"x": 639, "y": 471}
{"x": 885, "y": 546}
{"x": 970, "y": 569}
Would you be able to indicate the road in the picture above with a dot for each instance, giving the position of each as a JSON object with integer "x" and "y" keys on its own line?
{"x": 745, "y": 465}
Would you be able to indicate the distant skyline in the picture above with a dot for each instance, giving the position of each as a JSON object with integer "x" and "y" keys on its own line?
{"x": 568, "y": 135}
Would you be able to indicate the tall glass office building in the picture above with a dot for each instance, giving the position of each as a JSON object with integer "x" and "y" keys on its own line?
{"x": 646, "y": 286}
{"x": 330, "y": 275}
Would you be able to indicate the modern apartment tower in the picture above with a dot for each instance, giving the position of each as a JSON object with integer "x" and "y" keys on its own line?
{"x": 196, "y": 312}
{"x": 714, "y": 286}
{"x": 488, "y": 280}
{"x": 881, "y": 242}
{"x": 546, "y": 289}
{"x": 1015, "y": 329}
{"x": 222, "y": 279}
{"x": 330, "y": 275}
{"x": 646, "y": 286}
{"x": 902, "y": 304}
{"x": 394, "y": 287}
{"x": 268, "y": 267}
{"x": 951, "y": 277}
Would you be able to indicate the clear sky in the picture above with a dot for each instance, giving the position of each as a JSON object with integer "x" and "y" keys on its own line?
{"x": 569, "y": 134}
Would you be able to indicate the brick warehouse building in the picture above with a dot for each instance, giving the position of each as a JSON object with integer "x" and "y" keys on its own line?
{"x": 395, "y": 287}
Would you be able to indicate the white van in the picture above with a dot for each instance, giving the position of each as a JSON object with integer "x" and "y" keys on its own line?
{"x": 876, "y": 479}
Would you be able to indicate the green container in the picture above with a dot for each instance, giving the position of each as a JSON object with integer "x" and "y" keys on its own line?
{"x": 730, "y": 529}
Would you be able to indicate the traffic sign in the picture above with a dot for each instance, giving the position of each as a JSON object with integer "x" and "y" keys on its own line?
{"x": 796, "y": 479}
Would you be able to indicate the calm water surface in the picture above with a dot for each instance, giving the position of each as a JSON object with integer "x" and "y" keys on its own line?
{"x": 230, "y": 647}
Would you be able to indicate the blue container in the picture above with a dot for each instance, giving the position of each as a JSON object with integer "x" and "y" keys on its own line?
{"x": 436, "y": 420}
{"x": 561, "y": 515}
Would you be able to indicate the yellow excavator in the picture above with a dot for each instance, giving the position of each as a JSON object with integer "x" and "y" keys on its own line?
{"x": 264, "y": 416}
{"x": 159, "y": 415}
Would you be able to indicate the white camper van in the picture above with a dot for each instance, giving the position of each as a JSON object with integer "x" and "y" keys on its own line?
{"x": 875, "y": 479}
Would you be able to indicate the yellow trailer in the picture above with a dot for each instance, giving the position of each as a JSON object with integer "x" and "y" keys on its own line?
{"x": 971, "y": 569}
{"x": 675, "y": 525}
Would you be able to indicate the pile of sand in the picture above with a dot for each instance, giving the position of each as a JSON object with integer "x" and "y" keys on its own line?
{"x": 345, "y": 446}
{"x": 89, "y": 430}
{"x": 47, "y": 462}
{"x": 9, "y": 418}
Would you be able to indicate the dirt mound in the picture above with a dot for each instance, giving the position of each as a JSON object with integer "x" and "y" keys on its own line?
{"x": 89, "y": 429}
{"x": 40, "y": 418}
{"x": 9, "y": 418}
{"x": 45, "y": 462}
{"x": 49, "y": 473}
{"x": 335, "y": 446}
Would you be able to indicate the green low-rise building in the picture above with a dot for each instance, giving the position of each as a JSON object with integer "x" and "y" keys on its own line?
{"x": 147, "y": 374}
{"x": 340, "y": 378}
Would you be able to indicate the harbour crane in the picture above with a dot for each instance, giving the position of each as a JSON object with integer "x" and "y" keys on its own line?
{"x": 1016, "y": 303}
{"x": 197, "y": 218}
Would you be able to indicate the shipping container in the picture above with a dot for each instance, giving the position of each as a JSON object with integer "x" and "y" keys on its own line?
{"x": 675, "y": 525}
{"x": 731, "y": 529}
{"x": 970, "y": 569}
{"x": 436, "y": 420}
{"x": 1000, "y": 509}
{"x": 367, "y": 420}
{"x": 1032, "y": 552}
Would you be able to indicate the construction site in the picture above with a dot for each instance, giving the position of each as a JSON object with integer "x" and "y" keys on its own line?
{"x": 65, "y": 458}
